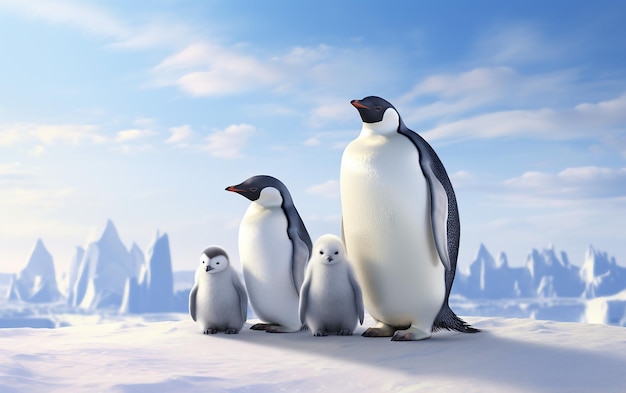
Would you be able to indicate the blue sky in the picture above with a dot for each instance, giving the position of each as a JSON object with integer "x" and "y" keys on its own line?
{"x": 145, "y": 112}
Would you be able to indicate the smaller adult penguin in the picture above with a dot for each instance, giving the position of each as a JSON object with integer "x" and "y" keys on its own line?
{"x": 330, "y": 299}
{"x": 274, "y": 247}
{"x": 218, "y": 300}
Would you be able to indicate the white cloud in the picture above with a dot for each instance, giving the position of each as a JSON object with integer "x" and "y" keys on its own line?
{"x": 463, "y": 179}
{"x": 49, "y": 134}
{"x": 10, "y": 135}
{"x": 35, "y": 197}
{"x": 313, "y": 141}
{"x": 204, "y": 69}
{"x": 519, "y": 44}
{"x": 133, "y": 149}
{"x": 589, "y": 182}
{"x": 86, "y": 17}
{"x": 303, "y": 56}
{"x": 336, "y": 140}
{"x": 229, "y": 143}
{"x": 477, "y": 81}
{"x": 585, "y": 120}
{"x": 43, "y": 135}
{"x": 467, "y": 91}
{"x": 14, "y": 174}
{"x": 99, "y": 21}
{"x": 332, "y": 111}
{"x": 37, "y": 151}
{"x": 67, "y": 133}
{"x": 328, "y": 189}
{"x": 132, "y": 135}
{"x": 180, "y": 134}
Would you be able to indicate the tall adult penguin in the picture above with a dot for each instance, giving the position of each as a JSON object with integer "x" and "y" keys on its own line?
{"x": 400, "y": 226}
{"x": 274, "y": 248}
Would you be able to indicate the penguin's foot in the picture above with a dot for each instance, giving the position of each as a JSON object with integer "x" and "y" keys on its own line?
{"x": 209, "y": 331}
{"x": 380, "y": 330}
{"x": 344, "y": 332}
{"x": 320, "y": 333}
{"x": 262, "y": 326}
{"x": 411, "y": 334}
{"x": 231, "y": 331}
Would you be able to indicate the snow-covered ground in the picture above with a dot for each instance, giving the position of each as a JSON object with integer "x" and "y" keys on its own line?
{"x": 509, "y": 355}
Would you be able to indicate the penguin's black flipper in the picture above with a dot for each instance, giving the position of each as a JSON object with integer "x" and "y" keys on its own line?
{"x": 302, "y": 246}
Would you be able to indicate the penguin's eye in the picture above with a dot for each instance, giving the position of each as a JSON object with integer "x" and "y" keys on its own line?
{"x": 217, "y": 263}
{"x": 378, "y": 108}
{"x": 336, "y": 252}
{"x": 321, "y": 252}
{"x": 253, "y": 189}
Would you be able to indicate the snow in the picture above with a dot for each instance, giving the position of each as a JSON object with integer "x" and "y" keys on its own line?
{"x": 512, "y": 355}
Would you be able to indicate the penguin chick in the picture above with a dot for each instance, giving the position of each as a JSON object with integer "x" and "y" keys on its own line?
{"x": 330, "y": 298}
{"x": 218, "y": 300}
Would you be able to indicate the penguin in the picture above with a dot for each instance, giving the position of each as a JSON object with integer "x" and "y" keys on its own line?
{"x": 274, "y": 248}
{"x": 330, "y": 298}
{"x": 218, "y": 300}
{"x": 400, "y": 226}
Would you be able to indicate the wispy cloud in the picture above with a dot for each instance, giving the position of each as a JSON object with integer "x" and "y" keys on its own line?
{"x": 24, "y": 186}
{"x": 132, "y": 135}
{"x": 180, "y": 134}
{"x": 204, "y": 69}
{"x": 589, "y": 182}
{"x": 335, "y": 140}
{"x": 99, "y": 21}
{"x": 49, "y": 134}
{"x": 584, "y": 120}
{"x": 230, "y": 142}
{"x": 14, "y": 174}
{"x": 333, "y": 110}
{"x": 485, "y": 80}
{"x": 44, "y": 136}
{"x": 445, "y": 96}
{"x": 86, "y": 17}
{"x": 519, "y": 43}
{"x": 328, "y": 189}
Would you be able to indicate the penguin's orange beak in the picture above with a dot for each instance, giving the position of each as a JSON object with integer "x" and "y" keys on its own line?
{"x": 357, "y": 104}
{"x": 234, "y": 189}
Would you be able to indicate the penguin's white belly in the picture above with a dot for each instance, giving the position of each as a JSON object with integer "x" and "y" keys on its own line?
{"x": 387, "y": 227}
{"x": 217, "y": 303}
{"x": 331, "y": 304}
{"x": 265, "y": 251}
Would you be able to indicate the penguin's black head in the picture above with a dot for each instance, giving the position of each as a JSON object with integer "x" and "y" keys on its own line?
{"x": 214, "y": 259}
{"x": 251, "y": 188}
{"x": 214, "y": 251}
{"x": 372, "y": 108}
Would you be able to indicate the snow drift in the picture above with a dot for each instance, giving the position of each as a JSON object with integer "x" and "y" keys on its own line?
{"x": 510, "y": 355}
